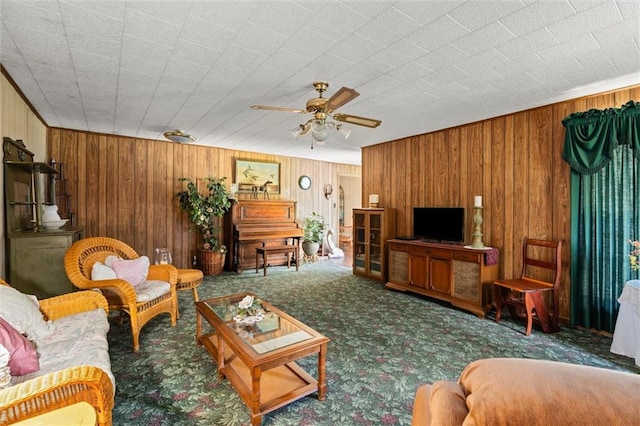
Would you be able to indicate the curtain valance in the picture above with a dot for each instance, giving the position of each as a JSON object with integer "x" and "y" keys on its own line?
{"x": 592, "y": 136}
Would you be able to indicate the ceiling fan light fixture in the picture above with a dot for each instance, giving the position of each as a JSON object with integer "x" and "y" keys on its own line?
{"x": 344, "y": 131}
{"x": 323, "y": 109}
{"x": 179, "y": 136}
{"x": 320, "y": 136}
{"x": 317, "y": 125}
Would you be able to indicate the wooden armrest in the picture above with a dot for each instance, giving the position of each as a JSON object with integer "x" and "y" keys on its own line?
{"x": 72, "y": 303}
{"x": 56, "y": 390}
{"x": 167, "y": 273}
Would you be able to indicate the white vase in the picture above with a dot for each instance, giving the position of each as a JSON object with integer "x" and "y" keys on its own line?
{"x": 50, "y": 213}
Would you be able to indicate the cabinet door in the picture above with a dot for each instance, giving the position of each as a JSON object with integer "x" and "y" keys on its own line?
{"x": 440, "y": 275}
{"x": 36, "y": 264}
{"x": 374, "y": 232}
{"x": 467, "y": 281}
{"x": 398, "y": 264}
{"x": 418, "y": 271}
{"x": 359, "y": 242}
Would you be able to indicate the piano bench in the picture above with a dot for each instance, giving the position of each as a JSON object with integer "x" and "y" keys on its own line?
{"x": 267, "y": 250}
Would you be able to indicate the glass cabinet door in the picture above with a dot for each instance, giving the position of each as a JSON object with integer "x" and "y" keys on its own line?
{"x": 374, "y": 261}
{"x": 368, "y": 241}
{"x": 359, "y": 242}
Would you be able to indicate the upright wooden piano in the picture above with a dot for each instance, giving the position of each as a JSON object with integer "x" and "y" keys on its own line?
{"x": 259, "y": 223}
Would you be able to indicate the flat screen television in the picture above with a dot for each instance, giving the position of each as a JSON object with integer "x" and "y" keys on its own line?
{"x": 439, "y": 224}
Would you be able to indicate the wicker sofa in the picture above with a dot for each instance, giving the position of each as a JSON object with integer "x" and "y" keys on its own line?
{"x": 73, "y": 360}
{"x": 509, "y": 391}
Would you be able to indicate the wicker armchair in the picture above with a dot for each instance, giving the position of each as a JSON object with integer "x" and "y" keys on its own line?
{"x": 65, "y": 387}
{"x": 83, "y": 254}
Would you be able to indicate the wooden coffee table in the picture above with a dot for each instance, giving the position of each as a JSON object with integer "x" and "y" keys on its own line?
{"x": 258, "y": 359}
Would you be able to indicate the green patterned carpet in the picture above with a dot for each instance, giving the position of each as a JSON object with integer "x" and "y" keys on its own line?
{"x": 384, "y": 344}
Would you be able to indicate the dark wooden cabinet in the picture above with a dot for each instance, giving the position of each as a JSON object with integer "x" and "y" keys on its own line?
{"x": 430, "y": 269}
{"x": 35, "y": 261}
{"x": 34, "y": 255}
{"x": 451, "y": 273}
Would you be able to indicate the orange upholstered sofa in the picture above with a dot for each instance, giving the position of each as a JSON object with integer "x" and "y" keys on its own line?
{"x": 509, "y": 391}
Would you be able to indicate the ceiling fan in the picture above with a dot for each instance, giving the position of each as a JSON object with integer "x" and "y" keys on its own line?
{"x": 322, "y": 108}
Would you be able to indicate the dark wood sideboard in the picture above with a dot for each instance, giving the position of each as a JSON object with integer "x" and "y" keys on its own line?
{"x": 453, "y": 273}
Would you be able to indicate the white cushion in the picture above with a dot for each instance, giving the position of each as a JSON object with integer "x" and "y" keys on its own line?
{"x": 149, "y": 290}
{"x": 22, "y": 311}
{"x": 5, "y": 372}
{"x": 78, "y": 339}
{"x": 110, "y": 259}
{"x": 101, "y": 272}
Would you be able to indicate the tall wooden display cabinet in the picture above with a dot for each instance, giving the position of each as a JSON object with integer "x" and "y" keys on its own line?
{"x": 34, "y": 255}
{"x": 372, "y": 227}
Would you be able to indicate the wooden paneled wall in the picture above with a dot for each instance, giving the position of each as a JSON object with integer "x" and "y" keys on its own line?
{"x": 125, "y": 187}
{"x": 514, "y": 162}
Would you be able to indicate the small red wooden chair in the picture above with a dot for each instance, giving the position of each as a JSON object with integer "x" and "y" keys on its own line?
{"x": 541, "y": 259}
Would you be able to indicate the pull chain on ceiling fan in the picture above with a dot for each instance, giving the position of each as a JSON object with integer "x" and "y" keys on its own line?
{"x": 323, "y": 108}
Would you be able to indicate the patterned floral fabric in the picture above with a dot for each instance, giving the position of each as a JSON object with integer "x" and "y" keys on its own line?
{"x": 79, "y": 339}
{"x": 150, "y": 289}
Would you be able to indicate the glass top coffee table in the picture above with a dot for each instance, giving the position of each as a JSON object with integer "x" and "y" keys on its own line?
{"x": 258, "y": 358}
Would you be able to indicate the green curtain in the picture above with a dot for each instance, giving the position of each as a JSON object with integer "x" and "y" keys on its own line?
{"x": 603, "y": 150}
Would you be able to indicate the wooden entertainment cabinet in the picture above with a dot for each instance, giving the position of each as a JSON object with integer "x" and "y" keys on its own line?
{"x": 447, "y": 272}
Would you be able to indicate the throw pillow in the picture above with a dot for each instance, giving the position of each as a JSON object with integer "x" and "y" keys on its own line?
{"x": 22, "y": 311}
{"x": 133, "y": 271}
{"x": 101, "y": 272}
{"x": 110, "y": 259}
{"x": 23, "y": 358}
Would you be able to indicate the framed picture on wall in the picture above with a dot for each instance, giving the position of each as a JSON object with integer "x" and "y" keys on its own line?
{"x": 250, "y": 174}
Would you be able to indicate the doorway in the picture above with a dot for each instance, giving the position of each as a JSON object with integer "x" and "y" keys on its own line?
{"x": 349, "y": 196}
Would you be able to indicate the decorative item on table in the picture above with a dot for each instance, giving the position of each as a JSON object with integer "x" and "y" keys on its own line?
{"x": 54, "y": 224}
{"x": 50, "y": 217}
{"x": 477, "y": 223}
{"x": 634, "y": 256}
{"x": 248, "y": 311}
{"x": 162, "y": 256}
{"x": 373, "y": 200}
{"x": 270, "y": 322}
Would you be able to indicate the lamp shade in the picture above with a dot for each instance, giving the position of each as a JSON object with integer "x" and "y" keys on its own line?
{"x": 344, "y": 131}
{"x": 179, "y": 136}
{"x": 317, "y": 125}
{"x": 320, "y": 136}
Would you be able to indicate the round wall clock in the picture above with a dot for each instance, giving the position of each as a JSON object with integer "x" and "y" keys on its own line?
{"x": 304, "y": 182}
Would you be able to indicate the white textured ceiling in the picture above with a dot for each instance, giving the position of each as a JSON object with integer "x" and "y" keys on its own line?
{"x": 140, "y": 68}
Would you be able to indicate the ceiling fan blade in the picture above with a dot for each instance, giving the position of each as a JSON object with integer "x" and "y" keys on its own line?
{"x": 340, "y": 98}
{"x": 272, "y": 108}
{"x": 360, "y": 121}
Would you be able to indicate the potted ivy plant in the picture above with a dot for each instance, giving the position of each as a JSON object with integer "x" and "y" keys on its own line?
{"x": 313, "y": 233}
{"x": 204, "y": 211}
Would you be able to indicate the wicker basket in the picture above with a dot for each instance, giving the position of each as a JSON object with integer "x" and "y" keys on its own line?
{"x": 211, "y": 262}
